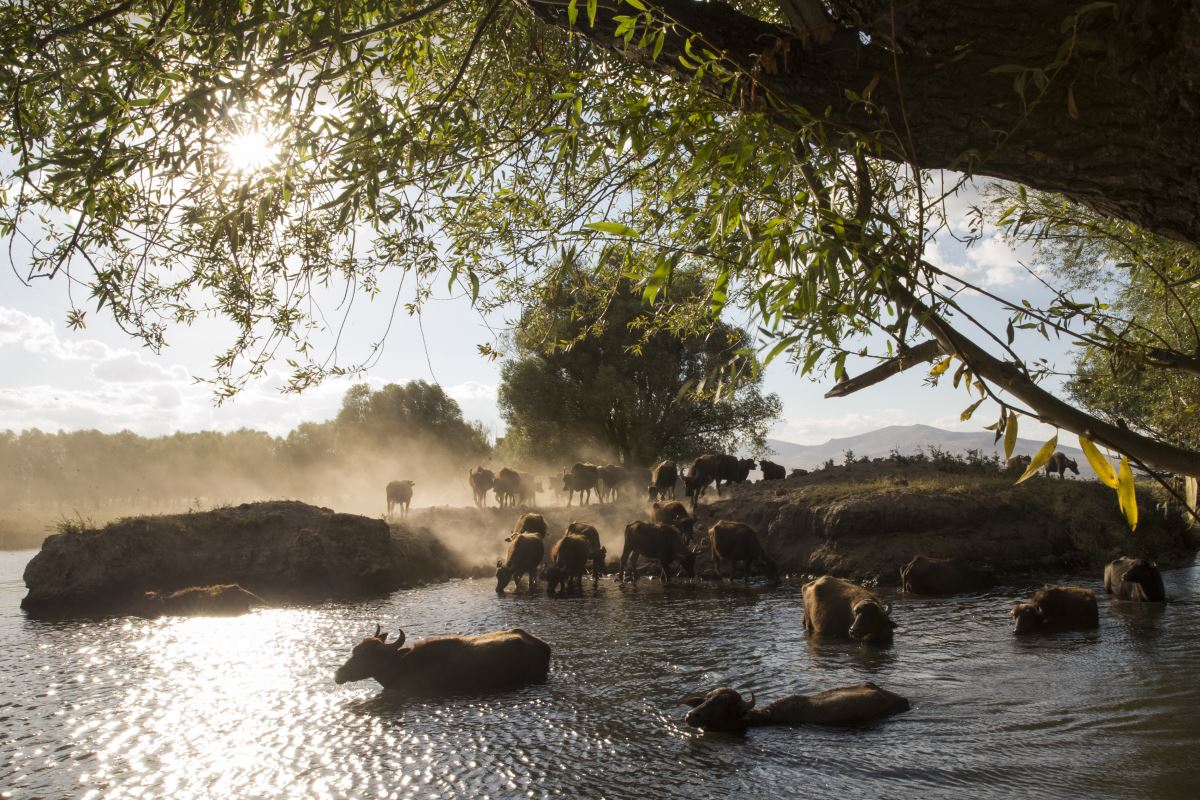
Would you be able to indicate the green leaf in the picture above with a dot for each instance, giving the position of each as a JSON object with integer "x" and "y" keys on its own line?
{"x": 615, "y": 228}
{"x": 1099, "y": 463}
{"x": 1126, "y": 495}
{"x": 572, "y": 12}
{"x": 591, "y": 9}
{"x": 1039, "y": 459}
{"x": 1010, "y": 435}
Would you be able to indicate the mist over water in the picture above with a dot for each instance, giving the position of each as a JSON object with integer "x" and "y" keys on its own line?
{"x": 247, "y": 707}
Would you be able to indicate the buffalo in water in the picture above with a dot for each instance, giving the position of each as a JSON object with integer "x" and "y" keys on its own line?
{"x": 1134, "y": 579}
{"x": 596, "y": 552}
{"x": 1060, "y": 463}
{"x": 724, "y": 709}
{"x": 568, "y": 557}
{"x": 663, "y": 477}
{"x": 943, "y": 576}
{"x": 399, "y": 493}
{"x": 525, "y": 553}
{"x": 444, "y": 665}
{"x": 673, "y": 512}
{"x": 839, "y": 609}
{"x": 219, "y": 600}
{"x": 530, "y": 522}
{"x": 738, "y": 542}
{"x": 663, "y": 543}
{"x": 481, "y": 480}
{"x": 1057, "y": 608}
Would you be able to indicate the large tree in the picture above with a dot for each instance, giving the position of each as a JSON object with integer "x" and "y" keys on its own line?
{"x": 592, "y": 376}
{"x": 783, "y": 151}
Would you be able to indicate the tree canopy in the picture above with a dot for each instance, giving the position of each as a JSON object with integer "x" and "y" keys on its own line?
{"x": 593, "y": 376}
{"x": 783, "y": 152}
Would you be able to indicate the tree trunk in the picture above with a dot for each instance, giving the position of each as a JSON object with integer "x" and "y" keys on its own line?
{"x": 1115, "y": 128}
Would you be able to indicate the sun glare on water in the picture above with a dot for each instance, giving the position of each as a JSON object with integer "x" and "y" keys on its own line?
{"x": 250, "y": 151}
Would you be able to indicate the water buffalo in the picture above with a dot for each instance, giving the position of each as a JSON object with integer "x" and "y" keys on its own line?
{"x": 527, "y": 489}
{"x": 507, "y": 486}
{"x": 569, "y": 557}
{"x": 612, "y": 476}
{"x": 399, "y": 493}
{"x": 223, "y": 599}
{"x": 724, "y": 709}
{"x": 1134, "y": 579}
{"x": 1060, "y": 463}
{"x": 596, "y": 551}
{"x": 525, "y": 552}
{"x": 1057, "y": 608}
{"x": 735, "y": 541}
{"x": 1017, "y": 464}
{"x": 733, "y": 470}
{"x": 839, "y": 609}
{"x": 530, "y": 522}
{"x": 449, "y": 664}
{"x": 943, "y": 576}
{"x": 673, "y": 512}
{"x": 700, "y": 474}
{"x": 481, "y": 482}
{"x": 663, "y": 476}
{"x": 582, "y": 478}
{"x": 661, "y": 542}
{"x": 772, "y": 471}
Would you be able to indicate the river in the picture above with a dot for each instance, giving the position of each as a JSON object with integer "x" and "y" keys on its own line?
{"x": 247, "y": 707}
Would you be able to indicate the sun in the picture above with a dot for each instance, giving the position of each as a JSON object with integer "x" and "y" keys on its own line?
{"x": 250, "y": 150}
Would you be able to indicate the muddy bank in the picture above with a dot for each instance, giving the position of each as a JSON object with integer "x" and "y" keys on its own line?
{"x": 282, "y": 550}
{"x": 866, "y": 521}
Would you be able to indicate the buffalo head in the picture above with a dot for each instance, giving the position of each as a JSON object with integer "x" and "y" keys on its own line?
{"x": 503, "y": 576}
{"x": 1027, "y": 618}
{"x": 370, "y": 657}
{"x": 871, "y": 622}
{"x": 1141, "y": 571}
{"x": 719, "y": 710}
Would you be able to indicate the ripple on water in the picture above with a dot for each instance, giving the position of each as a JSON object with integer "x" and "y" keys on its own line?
{"x": 246, "y": 707}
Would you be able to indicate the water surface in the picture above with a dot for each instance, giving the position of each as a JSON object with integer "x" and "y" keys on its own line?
{"x": 247, "y": 707}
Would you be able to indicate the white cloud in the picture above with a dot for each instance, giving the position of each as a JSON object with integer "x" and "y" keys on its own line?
{"x": 129, "y": 367}
{"x": 472, "y": 390}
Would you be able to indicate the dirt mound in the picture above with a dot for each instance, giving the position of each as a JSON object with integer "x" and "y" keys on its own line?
{"x": 867, "y": 520}
{"x": 280, "y": 550}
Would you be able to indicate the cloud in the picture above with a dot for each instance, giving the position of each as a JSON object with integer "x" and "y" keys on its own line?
{"x": 472, "y": 390}
{"x": 129, "y": 367}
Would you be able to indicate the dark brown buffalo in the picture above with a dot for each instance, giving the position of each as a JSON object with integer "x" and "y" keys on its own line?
{"x": 581, "y": 478}
{"x": 220, "y": 600}
{"x": 943, "y": 576}
{"x": 663, "y": 477}
{"x": 673, "y": 512}
{"x": 569, "y": 558}
{"x": 700, "y": 474}
{"x": 664, "y": 543}
{"x": 596, "y": 551}
{"x": 612, "y": 478}
{"x": 1134, "y": 579}
{"x": 724, "y": 709}
{"x": 399, "y": 493}
{"x": 525, "y": 553}
{"x": 733, "y": 470}
{"x": 1017, "y": 464}
{"x": 507, "y": 487}
{"x": 1057, "y": 608}
{"x": 481, "y": 482}
{"x": 1060, "y": 463}
{"x": 738, "y": 542}
{"x": 839, "y": 609}
{"x": 530, "y": 522}
{"x": 772, "y": 471}
{"x": 449, "y": 664}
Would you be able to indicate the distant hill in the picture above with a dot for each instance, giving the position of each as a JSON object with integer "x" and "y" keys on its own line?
{"x": 906, "y": 440}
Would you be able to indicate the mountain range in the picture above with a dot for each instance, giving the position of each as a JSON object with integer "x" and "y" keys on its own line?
{"x": 907, "y": 440}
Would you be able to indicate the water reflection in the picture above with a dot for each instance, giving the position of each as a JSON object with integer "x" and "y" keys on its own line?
{"x": 246, "y": 707}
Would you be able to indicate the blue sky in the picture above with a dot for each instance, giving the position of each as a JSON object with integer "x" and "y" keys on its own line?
{"x": 57, "y": 379}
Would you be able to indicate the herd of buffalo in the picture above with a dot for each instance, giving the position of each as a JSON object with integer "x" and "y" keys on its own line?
{"x": 832, "y": 607}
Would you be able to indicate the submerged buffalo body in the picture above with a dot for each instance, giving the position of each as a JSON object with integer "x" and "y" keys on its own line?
{"x": 449, "y": 664}
{"x": 525, "y": 553}
{"x": 1057, "y": 608}
{"x": 839, "y": 609}
{"x": 724, "y": 709}
{"x": 943, "y": 576}
{"x": 737, "y": 542}
{"x": 664, "y": 543}
{"x": 1134, "y": 579}
{"x": 399, "y": 493}
{"x": 219, "y": 600}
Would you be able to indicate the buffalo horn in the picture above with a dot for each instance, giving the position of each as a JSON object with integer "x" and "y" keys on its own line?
{"x": 746, "y": 706}
{"x": 399, "y": 639}
{"x": 377, "y": 630}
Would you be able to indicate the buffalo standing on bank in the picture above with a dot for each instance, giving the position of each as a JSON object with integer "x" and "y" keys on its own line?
{"x": 399, "y": 493}
{"x": 663, "y": 477}
{"x": 1060, "y": 463}
{"x": 481, "y": 481}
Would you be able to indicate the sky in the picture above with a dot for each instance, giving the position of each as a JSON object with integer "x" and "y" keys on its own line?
{"x": 54, "y": 378}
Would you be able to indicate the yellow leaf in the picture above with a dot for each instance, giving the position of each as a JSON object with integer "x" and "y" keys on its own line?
{"x": 1010, "y": 435}
{"x": 1099, "y": 463}
{"x": 1039, "y": 459}
{"x": 1072, "y": 109}
{"x": 1126, "y": 495}
{"x": 966, "y": 415}
{"x": 941, "y": 368}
